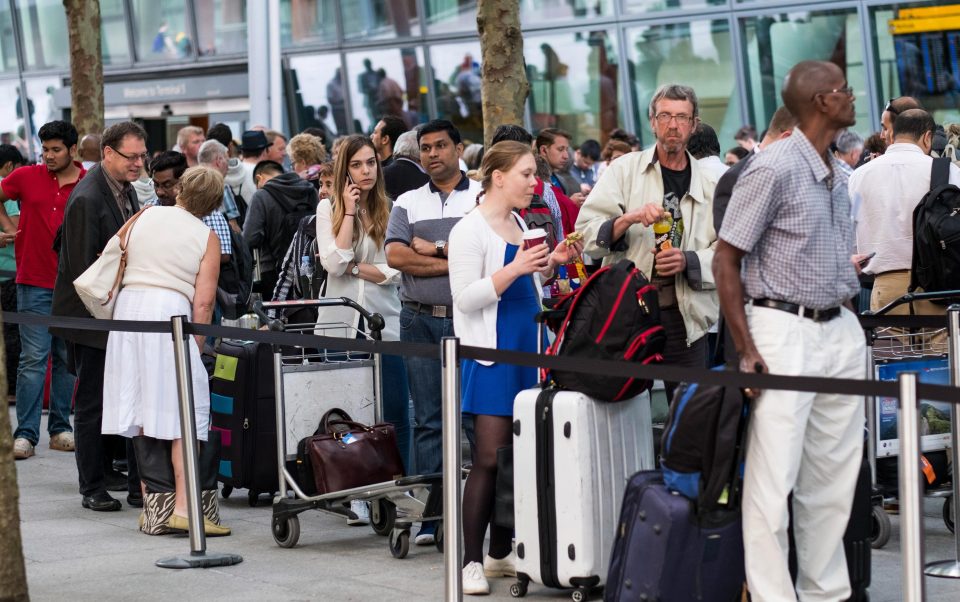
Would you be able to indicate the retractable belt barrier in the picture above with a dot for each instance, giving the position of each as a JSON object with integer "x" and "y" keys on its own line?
{"x": 585, "y": 366}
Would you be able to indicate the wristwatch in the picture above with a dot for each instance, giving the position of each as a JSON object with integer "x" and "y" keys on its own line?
{"x": 355, "y": 270}
{"x": 441, "y": 245}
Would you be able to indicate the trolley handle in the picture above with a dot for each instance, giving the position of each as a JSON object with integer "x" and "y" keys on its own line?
{"x": 911, "y": 297}
{"x": 375, "y": 321}
{"x": 272, "y": 323}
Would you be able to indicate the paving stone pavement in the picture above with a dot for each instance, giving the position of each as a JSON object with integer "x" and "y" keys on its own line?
{"x": 82, "y": 555}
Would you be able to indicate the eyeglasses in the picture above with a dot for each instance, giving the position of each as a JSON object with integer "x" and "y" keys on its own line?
{"x": 132, "y": 158}
{"x": 890, "y": 108}
{"x": 847, "y": 90}
{"x": 665, "y": 118}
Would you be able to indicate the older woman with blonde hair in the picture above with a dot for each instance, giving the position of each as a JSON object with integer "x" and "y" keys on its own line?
{"x": 305, "y": 150}
{"x": 173, "y": 261}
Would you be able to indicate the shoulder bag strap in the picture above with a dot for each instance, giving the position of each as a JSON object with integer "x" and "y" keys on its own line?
{"x": 124, "y": 235}
{"x": 940, "y": 173}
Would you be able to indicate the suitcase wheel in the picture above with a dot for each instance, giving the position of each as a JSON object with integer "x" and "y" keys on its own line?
{"x": 253, "y": 498}
{"x": 880, "y": 528}
{"x": 519, "y": 589}
{"x": 948, "y": 513}
{"x": 399, "y": 542}
{"x": 286, "y": 531}
{"x": 581, "y": 594}
{"x": 226, "y": 491}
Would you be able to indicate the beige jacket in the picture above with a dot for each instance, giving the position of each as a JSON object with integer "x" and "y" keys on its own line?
{"x": 633, "y": 181}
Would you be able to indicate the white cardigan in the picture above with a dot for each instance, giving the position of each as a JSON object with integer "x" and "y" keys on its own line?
{"x": 476, "y": 252}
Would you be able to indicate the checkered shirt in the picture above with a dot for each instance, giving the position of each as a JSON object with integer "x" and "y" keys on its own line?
{"x": 216, "y": 222}
{"x": 791, "y": 214}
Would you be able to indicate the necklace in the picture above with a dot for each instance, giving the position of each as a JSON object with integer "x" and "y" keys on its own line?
{"x": 361, "y": 211}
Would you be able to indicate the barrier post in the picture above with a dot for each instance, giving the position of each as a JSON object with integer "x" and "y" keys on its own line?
{"x": 450, "y": 363}
{"x": 951, "y": 568}
{"x": 911, "y": 510}
{"x": 198, "y": 558}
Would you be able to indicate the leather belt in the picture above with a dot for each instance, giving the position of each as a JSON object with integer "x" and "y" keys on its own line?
{"x": 817, "y": 315}
{"x": 437, "y": 311}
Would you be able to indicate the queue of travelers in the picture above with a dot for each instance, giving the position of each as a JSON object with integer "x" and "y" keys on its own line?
{"x": 772, "y": 247}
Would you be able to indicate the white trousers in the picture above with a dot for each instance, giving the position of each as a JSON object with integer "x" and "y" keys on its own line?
{"x": 807, "y": 443}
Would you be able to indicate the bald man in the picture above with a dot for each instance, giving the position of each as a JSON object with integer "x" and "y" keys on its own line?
{"x": 88, "y": 150}
{"x": 789, "y": 224}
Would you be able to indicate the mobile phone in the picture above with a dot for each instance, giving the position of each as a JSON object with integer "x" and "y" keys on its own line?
{"x": 350, "y": 179}
{"x": 863, "y": 262}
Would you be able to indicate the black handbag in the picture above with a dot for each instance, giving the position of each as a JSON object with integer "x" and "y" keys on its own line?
{"x": 156, "y": 472}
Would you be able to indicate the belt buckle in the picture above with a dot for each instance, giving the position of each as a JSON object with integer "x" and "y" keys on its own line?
{"x": 439, "y": 311}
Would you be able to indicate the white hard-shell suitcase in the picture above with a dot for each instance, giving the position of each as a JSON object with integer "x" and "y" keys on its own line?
{"x": 573, "y": 457}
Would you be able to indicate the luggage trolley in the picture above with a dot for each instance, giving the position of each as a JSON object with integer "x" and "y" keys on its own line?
{"x": 355, "y": 380}
{"x": 892, "y": 350}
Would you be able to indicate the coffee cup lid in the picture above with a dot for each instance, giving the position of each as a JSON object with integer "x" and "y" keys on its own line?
{"x": 535, "y": 233}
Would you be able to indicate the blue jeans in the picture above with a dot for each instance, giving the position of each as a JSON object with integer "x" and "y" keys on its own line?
{"x": 423, "y": 375}
{"x": 36, "y": 344}
{"x": 396, "y": 403}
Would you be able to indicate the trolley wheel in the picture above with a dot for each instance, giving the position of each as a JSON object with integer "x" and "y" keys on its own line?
{"x": 226, "y": 491}
{"x": 286, "y": 532}
{"x": 399, "y": 542}
{"x": 518, "y": 589}
{"x": 383, "y": 515}
{"x": 880, "y": 528}
{"x": 253, "y": 498}
{"x": 948, "y": 513}
{"x": 581, "y": 594}
{"x": 438, "y": 536}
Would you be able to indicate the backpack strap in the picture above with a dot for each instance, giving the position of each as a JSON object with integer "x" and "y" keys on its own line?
{"x": 940, "y": 173}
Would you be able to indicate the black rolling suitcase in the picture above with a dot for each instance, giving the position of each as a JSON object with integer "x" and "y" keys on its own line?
{"x": 243, "y": 410}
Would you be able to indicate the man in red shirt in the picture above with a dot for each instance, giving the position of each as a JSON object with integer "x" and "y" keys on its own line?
{"x": 42, "y": 191}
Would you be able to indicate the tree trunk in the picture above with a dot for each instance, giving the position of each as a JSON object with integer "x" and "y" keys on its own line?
{"x": 13, "y": 576}
{"x": 86, "y": 65}
{"x": 503, "y": 70}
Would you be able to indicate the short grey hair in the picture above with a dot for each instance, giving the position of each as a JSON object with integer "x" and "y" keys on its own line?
{"x": 407, "y": 146}
{"x": 847, "y": 141}
{"x": 674, "y": 92}
{"x": 210, "y": 151}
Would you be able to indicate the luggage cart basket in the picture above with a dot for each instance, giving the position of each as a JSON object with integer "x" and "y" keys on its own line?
{"x": 394, "y": 505}
{"x": 889, "y": 351}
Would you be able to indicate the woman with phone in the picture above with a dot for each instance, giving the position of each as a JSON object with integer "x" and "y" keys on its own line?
{"x": 351, "y": 229}
{"x": 496, "y": 268}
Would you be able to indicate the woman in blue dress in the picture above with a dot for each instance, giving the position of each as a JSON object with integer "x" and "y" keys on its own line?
{"x": 496, "y": 286}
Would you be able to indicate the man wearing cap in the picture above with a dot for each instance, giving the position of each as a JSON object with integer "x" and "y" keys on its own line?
{"x": 253, "y": 147}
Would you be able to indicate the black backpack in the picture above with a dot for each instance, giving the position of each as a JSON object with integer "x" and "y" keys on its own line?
{"x": 293, "y": 214}
{"x": 236, "y": 279}
{"x": 615, "y": 315}
{"x": 936, "y": 235}
{"x": 701, "y": 442}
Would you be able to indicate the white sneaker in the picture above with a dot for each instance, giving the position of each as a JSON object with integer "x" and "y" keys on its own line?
{"x": 474, "y": 583}
{"x": 362, "y": 511}
{"x": 500, "y": 567}
{"x": 22, "y": 449}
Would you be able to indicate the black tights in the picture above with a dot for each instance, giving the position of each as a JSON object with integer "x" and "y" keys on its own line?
{"x": 491, "y": 433}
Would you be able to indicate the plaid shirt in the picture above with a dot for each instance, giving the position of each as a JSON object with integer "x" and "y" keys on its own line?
{"x": 216, "y": 222}
{"x": 791, "y": 214}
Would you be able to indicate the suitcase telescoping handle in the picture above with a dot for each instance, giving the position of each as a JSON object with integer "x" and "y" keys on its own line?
{"x": 375, "y": 322}
{"x": 911, "y": 297}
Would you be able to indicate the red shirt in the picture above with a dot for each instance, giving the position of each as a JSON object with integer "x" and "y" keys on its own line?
{"x": 42, "y": 201}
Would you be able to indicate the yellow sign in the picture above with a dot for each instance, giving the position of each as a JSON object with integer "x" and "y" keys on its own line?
{"x": 906, "y": 26}
{"x": 929, "y": 12}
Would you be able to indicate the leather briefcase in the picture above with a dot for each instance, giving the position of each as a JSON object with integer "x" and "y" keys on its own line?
{"x": 358, "y": 455}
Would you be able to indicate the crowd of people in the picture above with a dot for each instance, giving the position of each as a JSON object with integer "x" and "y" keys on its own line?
{"x": 778, "y": 238}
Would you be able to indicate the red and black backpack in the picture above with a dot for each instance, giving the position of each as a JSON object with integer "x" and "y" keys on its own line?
{"x": 615, "y": 315}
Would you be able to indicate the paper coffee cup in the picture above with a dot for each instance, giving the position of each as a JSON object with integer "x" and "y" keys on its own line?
{"x": 532, "y": 238}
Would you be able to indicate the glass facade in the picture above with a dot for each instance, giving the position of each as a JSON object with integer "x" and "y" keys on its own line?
{"x": 592, "y": 64}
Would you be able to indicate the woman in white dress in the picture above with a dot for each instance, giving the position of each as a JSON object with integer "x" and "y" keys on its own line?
{"x": 351, "y": 230}
{"x": 172, "y": 269}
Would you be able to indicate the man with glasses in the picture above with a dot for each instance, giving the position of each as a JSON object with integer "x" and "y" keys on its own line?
{"x": 641, "y": 188}
{"x": 42, "y": 191}
{"x": 890, "y": 112}
{"x": 97, "y": 208}
{"x": 784, "y": 273}
{"x": 165, "y": 171}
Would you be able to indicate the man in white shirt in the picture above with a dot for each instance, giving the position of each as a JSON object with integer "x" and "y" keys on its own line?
{"x": 883, "y": 194}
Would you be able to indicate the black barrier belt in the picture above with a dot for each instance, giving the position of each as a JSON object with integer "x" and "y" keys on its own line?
{"x": 909, "y": 322}
{"x": 579, "y": 365}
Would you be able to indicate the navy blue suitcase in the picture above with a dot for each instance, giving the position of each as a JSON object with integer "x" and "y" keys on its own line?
{"x": 664, "y": 551}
